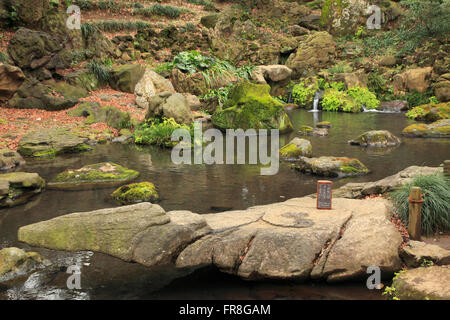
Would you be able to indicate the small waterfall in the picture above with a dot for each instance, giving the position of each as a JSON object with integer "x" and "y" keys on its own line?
{"x": 316, "y": 101}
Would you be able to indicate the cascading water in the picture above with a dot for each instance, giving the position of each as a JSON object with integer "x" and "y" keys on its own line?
{"x": 316, "y": 101}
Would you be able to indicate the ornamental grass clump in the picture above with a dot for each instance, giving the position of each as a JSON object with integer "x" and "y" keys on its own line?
{"x": 436, "y": 205}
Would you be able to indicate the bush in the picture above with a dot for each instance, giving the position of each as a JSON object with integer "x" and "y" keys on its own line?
{"x": 158, "y": 132}
{"x": 364, "y": 97}
{"x": 302, "y": 94}
{"x": 436, "y": 205}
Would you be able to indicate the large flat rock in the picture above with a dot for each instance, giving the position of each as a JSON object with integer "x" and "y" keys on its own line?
{"x": 417, "y": 252}
{"x": 423, "y": 283}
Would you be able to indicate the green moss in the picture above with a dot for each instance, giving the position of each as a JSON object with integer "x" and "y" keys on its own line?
{"x": 97, "y": 172}
{"x": 290, "y": 150}
{"x": 47, "y": 153}
{"x": 135, "y": 193}
{"x": 430, "y": 112}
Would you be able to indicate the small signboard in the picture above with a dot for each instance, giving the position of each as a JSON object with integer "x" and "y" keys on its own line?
{"x": 324, "y": 194}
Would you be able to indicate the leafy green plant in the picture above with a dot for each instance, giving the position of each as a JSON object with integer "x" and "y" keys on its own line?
{"x": 158, "y": 132}
{"x": 303, "y": 94}
{"x": 436, "y": 205}
{"x": 391, "y": 291}
{"x": 221, "y": 93}
{"x": 364, "y": 97}
{"x": 333, "y": 100}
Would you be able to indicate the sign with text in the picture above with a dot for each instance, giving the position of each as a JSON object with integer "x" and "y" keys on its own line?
{"x": 324, "y": 194}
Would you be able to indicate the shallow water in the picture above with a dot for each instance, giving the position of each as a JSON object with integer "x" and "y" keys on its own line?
{"x": 201, "y": 189}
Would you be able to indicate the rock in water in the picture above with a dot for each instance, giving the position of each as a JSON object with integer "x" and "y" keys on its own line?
{"x": 136, "y": 193}
{"x": 15, "y": 262}
{"x": 423, "y": 283}
{"x": 296, "y": 148}
{"x": 10, "y": 159}
{"x": 143, "y": 233}
{"x": 250, "y": 106}
{"x": 94, "y": 175}
{"x": 438, "y": 129}
{"x": 416, "y": 252}
{"x": 376, "y": 138}
{"x": 17, "y": 187}
{"x": 51, "y": 142}
{"x": 332, "y": 166}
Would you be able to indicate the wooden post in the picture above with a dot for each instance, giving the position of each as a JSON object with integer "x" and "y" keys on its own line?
{"x": 447, "y": 167}
{"x": 415, "y": 213}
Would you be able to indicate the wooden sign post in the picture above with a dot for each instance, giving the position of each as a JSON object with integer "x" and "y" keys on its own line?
{"x": 415, "y": 213}
{"x": 324, "y": 194}
{"x": 447, "y": 167}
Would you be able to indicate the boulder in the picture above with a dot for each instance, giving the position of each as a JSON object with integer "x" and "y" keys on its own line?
{"x": 296, "y": 148}
{"x": 95, "y": 113}
{"x": 412, "y": 80}
{"x": 210, "y": 20}
{"x": 33, "y": 94}
{"x": 93, "y": 176}
{"x": 342, "y": 17}
{"x": 416, "y": 253}
{"x": 430, "y": 112}
{"x": 17, "y": 187}
{"x": 277, "y": 76}
{"x": 99, "y": 45}
{"x": 313, "y": 54}
{"x": 150, "y": 85}
{"x": 142, "y": 233}
{"x": 385, "y": 185}
{"x": 293, "y": 240}
{"x": 324, "y": 124}
{"x": 136, "y": 193}
{"x": 438, "y": 129}
{"x": 442, "y": 88}
{"x": 315, "y": 132}
{"x": 353, "y": 79}
{"x": 250, "y": 106}
{"x": 126, "y": 77}
{"x": 170, "y": 105}
{"x": 15, "y": 262}
{"x": 430, "y": 283}
{"x": 51, "y": 142}
{"x": 376, "y": 138}
{"x": 331, "y": 166}
{"x": 393, "y": 106}
{"x": 10, "y": 159}
{"x": 388, "y": 61}
{"x": 11, "y": 78}
{"x": 29, "y": 12}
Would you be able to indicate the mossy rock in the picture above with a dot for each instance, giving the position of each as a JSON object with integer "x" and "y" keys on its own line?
{"x": 324, "y": 124}
{"x": 95, "y": 113}
{"x": 94, "y": 175}
{"x": 295, "y": 149}
{"x": 376, "y": 138}
{"x": 332, "y": 166}
{"x": 52, "y": 142}
{"x": 15, "y": 262}
{"x": 430, "y": 112}
{"x": 136, "y": 193}
{"x": 438, "y": 129}
{"x": 125, "y": 78}
{"x": 17, "y": 187}
{"x": 10, "y": 159}
{"x": 68, "y": 91}
{"x": 251, "y": 106}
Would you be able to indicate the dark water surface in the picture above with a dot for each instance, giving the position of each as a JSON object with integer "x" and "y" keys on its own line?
{"x": 201, "y": 189}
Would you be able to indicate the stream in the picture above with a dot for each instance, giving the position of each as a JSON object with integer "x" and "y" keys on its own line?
{"x": 201, "y": 189}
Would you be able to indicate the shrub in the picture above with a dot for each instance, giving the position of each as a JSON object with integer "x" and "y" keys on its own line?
{"x": 221, "y": 93}
{"x": 333, "y": 100}
{"x": 436, "y": 205}
{"x": 158, "y": 132}
{"x": 364, "y": 97}
{"x": 302, "y": 94}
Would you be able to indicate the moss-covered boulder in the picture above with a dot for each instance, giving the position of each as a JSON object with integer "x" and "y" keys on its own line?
{"x": 250, "y": 106}
{"x": 376, "y": 138}
{"x": 324, "y": 124}
{"x": 10, "y": 159}
{"x": 438, "y": 129}
{"x": 94, "y": 175}
{"x": 126, "y": 77}
{"x": 52, "y": 142}
{"x": 136, "y": 193}
{"x": 95, "y": 113}
{"x": 17, "y": 187}
{"x": 15, "y": 262}
{"x": 310, "y": 131}
{"x": 426, "y": 283}
{"x": 332, "y": 166}
{"x": 430, "y": 112}
{"x": 295, "y": 149}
